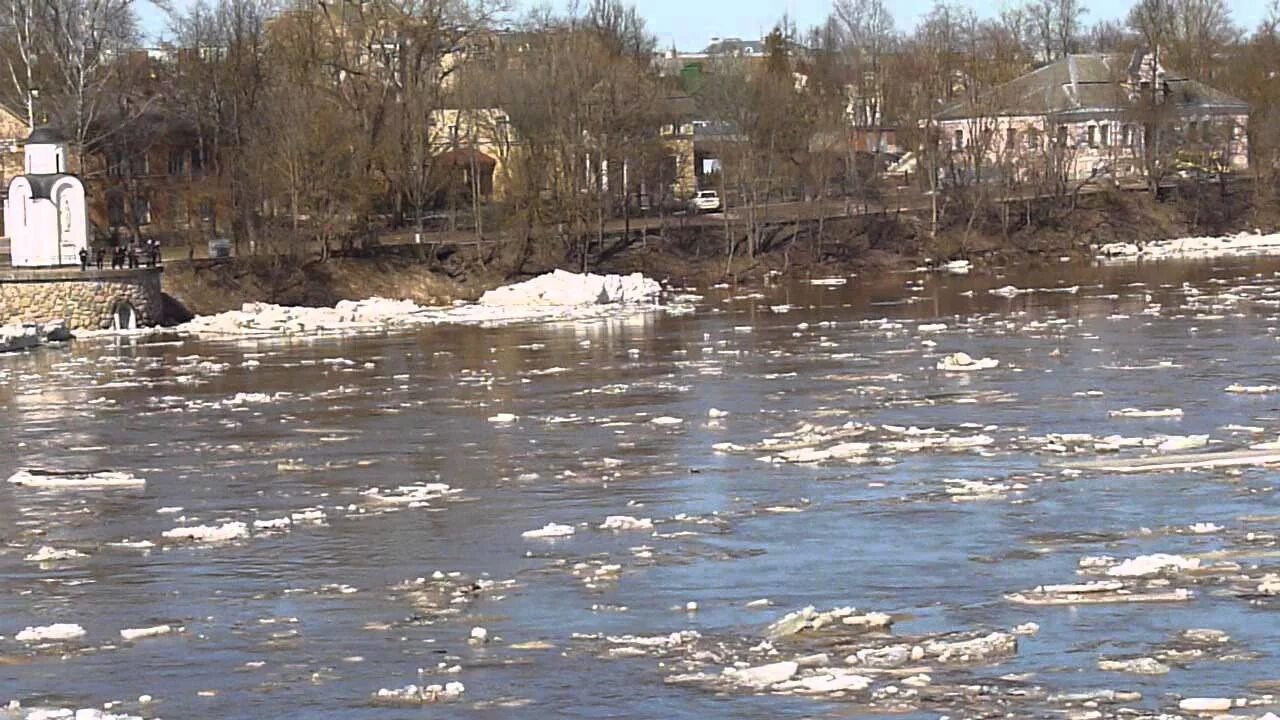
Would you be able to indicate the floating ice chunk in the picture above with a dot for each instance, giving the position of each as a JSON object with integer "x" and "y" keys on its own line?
{"x": 250, "y": 399}
{"x": 415, "y": 695}
{"x": 550, "y": 530}
{"x": 763, "y": 676}
{"x": 840, "y": 451}
{"x": 932, "y": 327}
{"x": 313, "y": 515}
{"x": 834, "y": 682}
{"x": 50, "y": 480}
{"x": 666, "y": 420}
{"x": 716, "y": 413}
{"x": 479, "y": 635}
{"x": 1204, "y": 528}
{"x": 626, "y": 522}
{"x": 51, "y": 554}
{"x": 209, "y": 533}
{"x": 280, "y": 523}
{"x": 962, "y": 362}
{"x": 830, "y": 282}
{"x": 1205, "y": 705}
{"x": 1007, "y": 291}
{"x": 1146, "y": 565}
{"x": 132, "y": 634}
{"x": 1028, "y": 628}
{"x": 958, "y": 267}
{"x": 1173, "y": 443}
{"x": 411, "y": 494}
{"x": 1253, "y": 389}
{"x": 1138, "y": 666}
{"x": 1152, "y": 413}
{"x": 503, "y": 418}
{"x": 46, "y": 633}
{"x": 989, "y": 647}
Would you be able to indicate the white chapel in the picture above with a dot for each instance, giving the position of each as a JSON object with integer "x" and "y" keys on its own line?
{"x": 45, "y": 217}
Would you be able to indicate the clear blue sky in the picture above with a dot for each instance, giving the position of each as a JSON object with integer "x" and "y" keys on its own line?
{"x": 691, "y": 25}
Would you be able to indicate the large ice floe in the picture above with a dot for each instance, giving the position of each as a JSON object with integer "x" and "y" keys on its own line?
{"x": 25, "y": 337}
{"x": 52, "y": 480}
{"x": 558, "y": 295}
{"x": 1240, "y": 244}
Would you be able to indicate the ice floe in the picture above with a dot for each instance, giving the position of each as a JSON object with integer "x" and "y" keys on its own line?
{"x": 54, "y": 480}
{"x": 962, "y": 362}
{"x": 209, "y": 533}
{"x": 49, "y": 633}
{"x": 550, "y": 530}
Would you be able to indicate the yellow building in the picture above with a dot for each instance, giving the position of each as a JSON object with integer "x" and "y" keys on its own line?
{"x": 474, "y": 146}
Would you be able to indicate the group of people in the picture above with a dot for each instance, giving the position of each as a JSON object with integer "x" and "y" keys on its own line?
{"x": 124, "y": 256}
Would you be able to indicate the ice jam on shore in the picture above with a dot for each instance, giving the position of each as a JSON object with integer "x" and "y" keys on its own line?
{"x": 558, "y": 295}
{"x": 1255, "y": 243}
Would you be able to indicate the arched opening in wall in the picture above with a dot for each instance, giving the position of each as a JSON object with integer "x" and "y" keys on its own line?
{"x": 123, "y": 316}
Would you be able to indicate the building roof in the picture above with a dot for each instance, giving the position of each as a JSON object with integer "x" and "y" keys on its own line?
{"x": 1088, "y": 84}
{"x": 735, "y": 46}
{"x": 45, "y": 135}
{"x": 42, "y": 184}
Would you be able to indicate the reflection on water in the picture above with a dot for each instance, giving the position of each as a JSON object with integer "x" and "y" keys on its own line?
{"x": 307, "y": 619}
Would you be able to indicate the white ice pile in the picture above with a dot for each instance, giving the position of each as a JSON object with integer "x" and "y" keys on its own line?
{"x": 558, "y": 295}
{"x": 1226, "y": 245}
{"x": 50, "y": 480}
{"x": 568, "y": 289}
{"x": 48, "y": 633}
{"x": 22, "y": 337}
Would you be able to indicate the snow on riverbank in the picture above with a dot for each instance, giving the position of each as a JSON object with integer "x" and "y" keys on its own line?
{"x": 1201, "y": 247}
{"x": 555, "y": 296}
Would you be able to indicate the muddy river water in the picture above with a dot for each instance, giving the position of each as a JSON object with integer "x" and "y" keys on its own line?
{"x": 775, "y": 449}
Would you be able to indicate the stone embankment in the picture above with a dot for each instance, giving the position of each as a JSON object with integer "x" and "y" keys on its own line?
{"x": 89, "y": 300}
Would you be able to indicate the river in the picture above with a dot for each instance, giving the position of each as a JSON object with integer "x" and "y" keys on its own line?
{"x": 570, "y": 423}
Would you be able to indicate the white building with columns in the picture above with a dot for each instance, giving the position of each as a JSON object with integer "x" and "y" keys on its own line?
{"x": 45, "y": 217}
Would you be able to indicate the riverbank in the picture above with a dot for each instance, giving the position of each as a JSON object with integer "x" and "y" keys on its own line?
{"x": 1022, "y": 234}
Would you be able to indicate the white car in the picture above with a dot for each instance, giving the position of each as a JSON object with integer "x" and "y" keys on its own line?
{"x": 706, "y": 201}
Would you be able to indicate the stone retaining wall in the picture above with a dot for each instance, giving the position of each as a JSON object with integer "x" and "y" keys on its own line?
{"x": 85, "y": 300}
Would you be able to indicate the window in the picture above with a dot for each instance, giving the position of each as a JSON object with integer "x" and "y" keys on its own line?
{"x": 1010, "y": 138}
{"x": 115, "y": 209}
{"x": 958, "y": 140}
{"x": 1062, "y": 135}
{"x": 1193, "y": 131}
{"x": 142, "y": 211}
{"x": 1093, "y": 136}
{"x": 1033, "y": 139}
{"x": 117, "y": 166}
{"x": 177, "y": 163}
{"x": 197, "y": 159}
{"x": 1104, "y": 135}
{"x": 206, "y": 209}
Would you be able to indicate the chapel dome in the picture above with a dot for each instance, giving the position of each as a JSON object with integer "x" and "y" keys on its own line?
{"x": 45, "y": 135}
